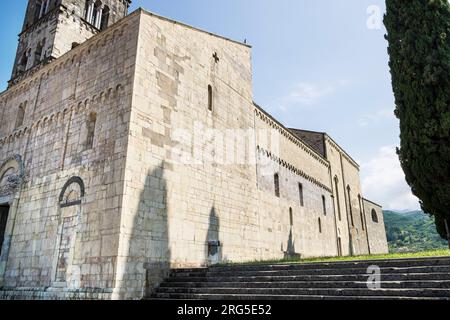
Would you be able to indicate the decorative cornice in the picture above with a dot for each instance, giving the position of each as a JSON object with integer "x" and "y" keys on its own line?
{"x": 342, "y": 151}
{"x": 289, "y": 135}
{"x": 292, "y": 168}
{"x": 60, "y": 115}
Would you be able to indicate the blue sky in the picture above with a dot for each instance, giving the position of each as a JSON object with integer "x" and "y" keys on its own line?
{"x": 318, "y": 65}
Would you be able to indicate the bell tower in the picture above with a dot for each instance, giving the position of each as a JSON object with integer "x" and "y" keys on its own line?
{"x": 53, "y": 27}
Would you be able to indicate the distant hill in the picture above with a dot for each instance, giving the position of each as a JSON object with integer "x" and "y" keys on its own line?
{"x": 411, "y": 232}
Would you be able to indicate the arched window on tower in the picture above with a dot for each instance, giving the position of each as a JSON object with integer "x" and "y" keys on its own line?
{"x": 98, "y": 12}
{"x": 45, "y": 7}
{"x": 38, "y": 52}
{"x": 94, "y": 12}
{"x": 41, "y": 9}
{"x": 23, "y": 62}
{"x": 374, "y": 216}
{"x": 37, "y": 10}
{"x": 20, "y": 116}
{"x": 105, "y": 18}
{"x": 88, "y": 10}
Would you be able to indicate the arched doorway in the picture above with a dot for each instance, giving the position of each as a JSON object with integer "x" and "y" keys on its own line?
{"x": 11, "y": 177}
{"x": 4, "y": 212}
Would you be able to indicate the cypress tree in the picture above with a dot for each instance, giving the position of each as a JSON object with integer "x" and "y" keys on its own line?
{"x": 418, "y": 33}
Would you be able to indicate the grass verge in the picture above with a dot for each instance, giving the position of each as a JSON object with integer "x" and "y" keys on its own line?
{"x": 422, "y": 254}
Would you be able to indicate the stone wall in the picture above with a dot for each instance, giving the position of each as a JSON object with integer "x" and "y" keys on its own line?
{"x": 174, "y": 206}
{"x": 345, "y": 177}
{"x": 143, "y": 150}
{"x": 64, "y": 244}
{"x": 376, "y": 228}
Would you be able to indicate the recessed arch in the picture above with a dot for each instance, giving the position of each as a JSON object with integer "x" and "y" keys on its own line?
{"x": 72, "y": 192}
{"x": 11, "y": 175}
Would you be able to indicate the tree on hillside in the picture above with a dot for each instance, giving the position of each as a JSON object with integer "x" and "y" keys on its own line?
{"x": 419, "y": 50}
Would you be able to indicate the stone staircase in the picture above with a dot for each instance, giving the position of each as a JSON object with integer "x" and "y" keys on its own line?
{"x": 425, "y": 278}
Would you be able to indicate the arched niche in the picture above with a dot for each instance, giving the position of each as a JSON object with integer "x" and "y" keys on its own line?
{"x": 72, "y": 193}
{"x": 11, "y": 175}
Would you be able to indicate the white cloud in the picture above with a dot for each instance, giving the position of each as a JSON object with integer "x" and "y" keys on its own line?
{"x": 384, "y": 182}
{"x": 380, "y": 115}
{"x": 308, "y": 93}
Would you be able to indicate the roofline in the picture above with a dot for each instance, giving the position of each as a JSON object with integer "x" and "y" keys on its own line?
{"x": 328, "y": 136}
{"x": 378, "y": 205}
{"x": 318, "y": 132}
{"x": 192, "y": 27}
{"x": 345, "y": 152}
{"x": 287, "y": 129}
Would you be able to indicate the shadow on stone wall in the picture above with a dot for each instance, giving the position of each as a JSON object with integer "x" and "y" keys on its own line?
{"x": 213, "y": 245}
{"x": 290, "y": 250}
{"x": 149, "y": 255}
{"x": 153, "y": 206}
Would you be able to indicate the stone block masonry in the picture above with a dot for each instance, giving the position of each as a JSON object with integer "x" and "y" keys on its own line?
{"x": 99, "y": 203}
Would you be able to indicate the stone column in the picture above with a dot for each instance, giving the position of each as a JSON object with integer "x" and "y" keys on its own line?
{"x": 41, "y": 12}
{"x": 90, "y": 11}
{"x": 98, "y": 19}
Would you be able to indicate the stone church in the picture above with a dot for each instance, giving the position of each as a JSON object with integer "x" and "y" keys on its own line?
{"x": 131, "y": 144}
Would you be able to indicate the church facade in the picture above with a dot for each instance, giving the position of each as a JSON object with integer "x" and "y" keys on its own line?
{"x": 131, "y": 144}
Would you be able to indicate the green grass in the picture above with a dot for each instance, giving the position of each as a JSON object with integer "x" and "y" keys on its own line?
{"x": 422, "y": 254}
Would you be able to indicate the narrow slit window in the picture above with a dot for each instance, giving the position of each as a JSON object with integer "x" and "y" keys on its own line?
{"x": 91, "y": 130}
{"x": 336, "y": 186}
{"x": 276, "y": 182}
{"x": 350, "y": 205}
{"x": 320, "y": 225}
{"x": 210, "y": 98}
{"x": 324, "y": 205}
{"x": 291, "y": 217}
{"x": 361, "y": 213}
{"x": 20, "y": 116}
{"x": 300, "y": 193}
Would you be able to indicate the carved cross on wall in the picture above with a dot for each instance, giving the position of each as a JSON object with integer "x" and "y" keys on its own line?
{"x": 216, "y": 57}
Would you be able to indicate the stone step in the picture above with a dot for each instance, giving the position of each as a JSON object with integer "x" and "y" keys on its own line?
{"x": 325, "y": 265}
{"x": 309, "y": 291}
{"x": 411, "y": 279}
{"x": 353, "y": 271}
{"x": 265, "y": 297}
{"x": 310, "y": 284}
{"x": 349, "y": 277}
